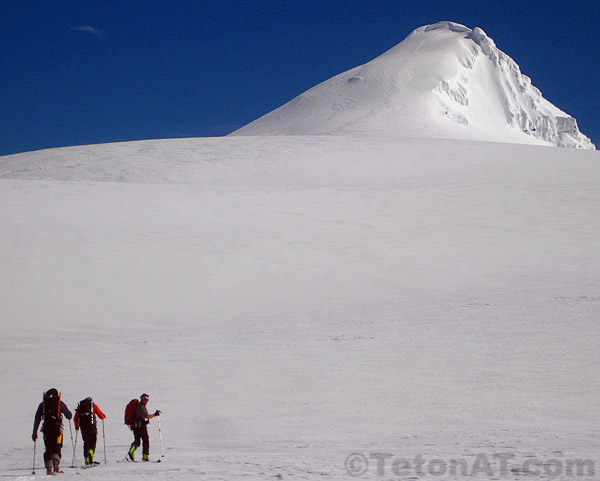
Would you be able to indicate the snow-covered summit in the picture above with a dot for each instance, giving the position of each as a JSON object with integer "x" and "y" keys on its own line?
{"x": 444, "y": 80}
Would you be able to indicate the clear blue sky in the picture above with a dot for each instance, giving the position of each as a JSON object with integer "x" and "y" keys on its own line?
{"x": 79, "y": 72}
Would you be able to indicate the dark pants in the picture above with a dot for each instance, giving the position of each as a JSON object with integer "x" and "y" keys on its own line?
{"x": 140, "y": 433}
{"x": 53, "y": 444}
{"x": 89, "y": 436}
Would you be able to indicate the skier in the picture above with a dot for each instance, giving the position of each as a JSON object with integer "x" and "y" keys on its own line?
{"x": 140, "y": 430}
{"x": 85, "y": 416}
{"x": 51, "y": 410}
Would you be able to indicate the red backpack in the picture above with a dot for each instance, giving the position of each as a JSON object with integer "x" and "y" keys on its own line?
{"x": 130, "y": 412}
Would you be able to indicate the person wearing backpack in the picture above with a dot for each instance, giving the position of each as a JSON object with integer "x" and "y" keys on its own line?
{"x": 85, "y": 417}
{"x": 51, "y": 410}
{"x": 138, "y": 425}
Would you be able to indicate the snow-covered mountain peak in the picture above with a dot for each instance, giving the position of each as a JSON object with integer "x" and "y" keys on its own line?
{"x": 444, "y": 80}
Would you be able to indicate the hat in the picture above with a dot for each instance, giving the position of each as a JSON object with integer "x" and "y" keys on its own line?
{"x": 144, "y": 396}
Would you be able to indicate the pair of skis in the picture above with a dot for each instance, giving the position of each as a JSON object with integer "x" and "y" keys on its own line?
{"x": 125, "y": 460}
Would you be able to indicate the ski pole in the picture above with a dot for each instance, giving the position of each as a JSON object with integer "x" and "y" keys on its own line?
{"x": 72, "y": 444}
{"x": 34, "y": 444}
{"x": 162, "y": 451}
{"x": 104, "y": 438}
{"x": 74, "y": 448}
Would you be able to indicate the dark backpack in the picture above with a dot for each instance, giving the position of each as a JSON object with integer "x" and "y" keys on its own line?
{"x": 85, "y": 409}
{"x": 130, "y": 410}
{"x": 52, "y": 415}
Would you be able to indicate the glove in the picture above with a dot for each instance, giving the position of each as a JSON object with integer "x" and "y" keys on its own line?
{"x": 157, "y": 413}
{"x": 34, "y": 436}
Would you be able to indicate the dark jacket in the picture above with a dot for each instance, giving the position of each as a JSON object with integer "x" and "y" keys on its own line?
{"x": 64, "y": 410}
{"x": 141, "y": 415}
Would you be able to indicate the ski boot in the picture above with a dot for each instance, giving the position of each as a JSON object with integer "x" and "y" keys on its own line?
{"x": 130, "y": 454}
{"x": 89, "y": 458}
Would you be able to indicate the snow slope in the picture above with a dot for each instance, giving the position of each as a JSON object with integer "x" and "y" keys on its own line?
{"x": 443, "y": 81}
{"x": 289, "y": 300}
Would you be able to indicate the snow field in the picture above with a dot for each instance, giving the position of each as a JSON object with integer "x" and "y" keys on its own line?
{"x": 288, "y": 301}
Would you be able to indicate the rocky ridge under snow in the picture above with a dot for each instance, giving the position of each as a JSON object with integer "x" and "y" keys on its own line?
{"x": 444, "y": 80}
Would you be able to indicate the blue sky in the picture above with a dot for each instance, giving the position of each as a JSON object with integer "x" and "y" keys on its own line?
{"x": 81, "y": 72}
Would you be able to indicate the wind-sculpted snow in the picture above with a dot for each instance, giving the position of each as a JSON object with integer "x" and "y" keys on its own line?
{"x": 444, "y": 80}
